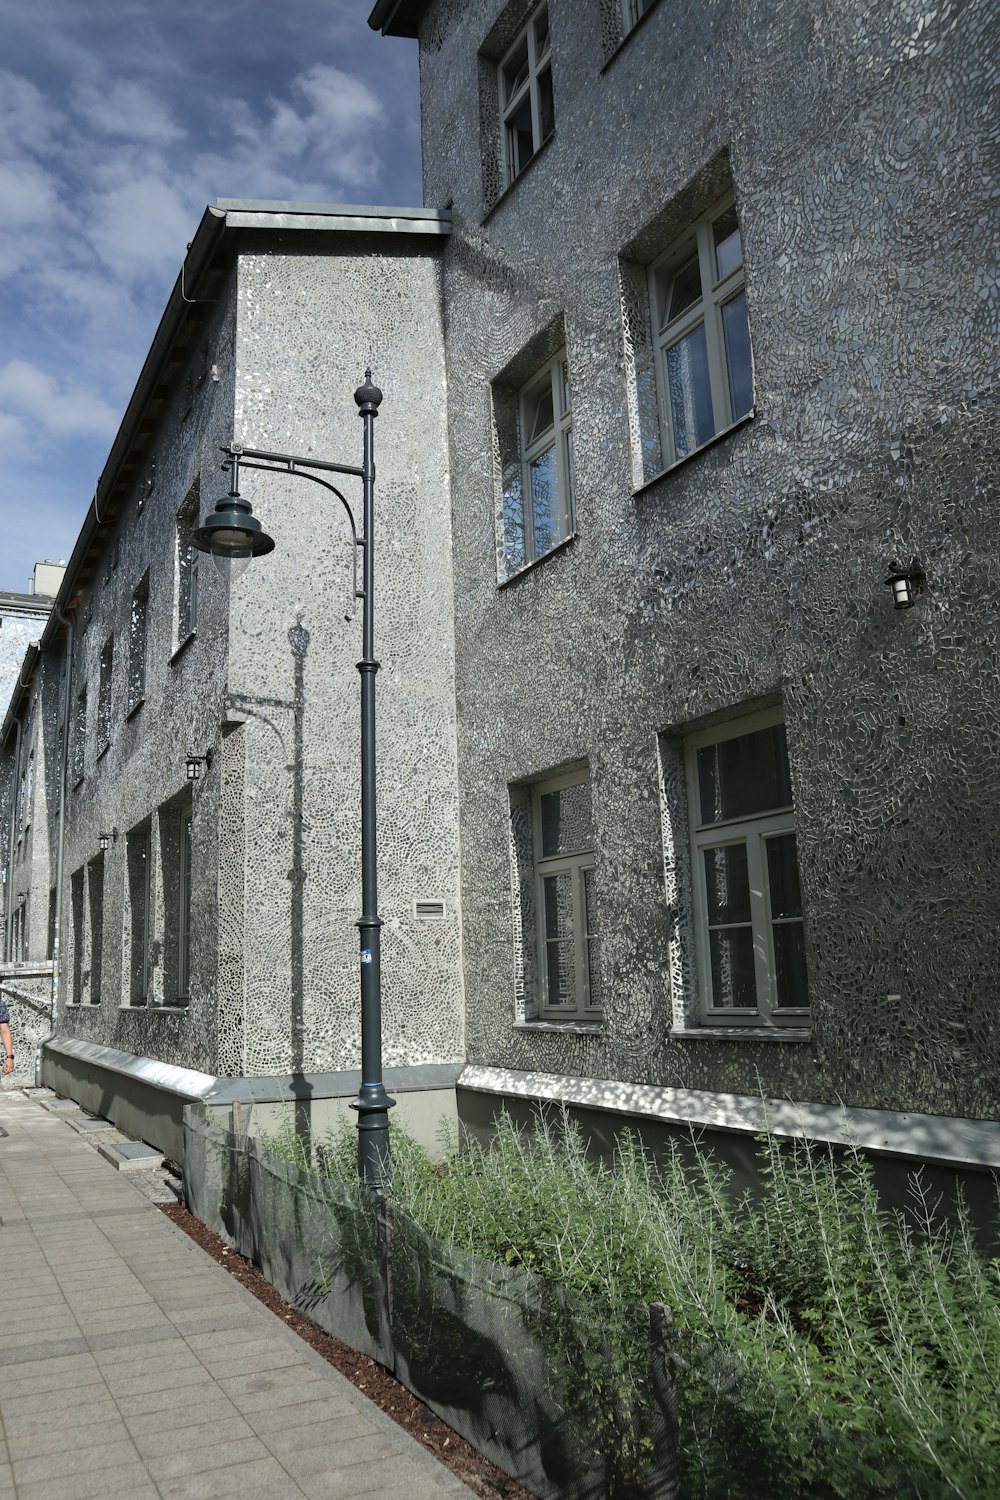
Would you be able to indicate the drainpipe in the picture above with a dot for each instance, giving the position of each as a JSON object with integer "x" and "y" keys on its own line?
{"x": 12, "y": 836}
{"x": 60, "y": 846}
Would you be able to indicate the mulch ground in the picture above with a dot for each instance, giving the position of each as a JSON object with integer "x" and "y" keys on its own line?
{"x": 379, "y": 1386}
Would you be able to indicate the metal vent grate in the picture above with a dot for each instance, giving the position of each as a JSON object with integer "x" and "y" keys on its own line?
{"x": 428, "y": 911}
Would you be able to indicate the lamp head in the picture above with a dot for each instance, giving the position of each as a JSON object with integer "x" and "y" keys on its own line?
{"x": 232, "y": 534}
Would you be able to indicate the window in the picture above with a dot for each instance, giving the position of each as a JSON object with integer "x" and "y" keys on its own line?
{"x": 139, "y": 855}
{"x": 749, "y": 926}
{"x": 137, "y": 646}
{"x": 701, "y": 333}
{"x": 79, "y": 736}
{"x": 187, "y": 566}
{"x": 76, "y": 912}
{"x": 95, "y": 895}
{"x": 176, "y": 837}
{"x": 104, "y": 695}
{"x": 563, "y": 839}
{"x": 525, "y": 81}
{"x": 538, "y": 504}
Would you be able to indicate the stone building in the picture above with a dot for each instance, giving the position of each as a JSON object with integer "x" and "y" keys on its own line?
{"x": 715, "y": 363}
{"x": 208, "y": 850}
{"x": 720, "y": 343}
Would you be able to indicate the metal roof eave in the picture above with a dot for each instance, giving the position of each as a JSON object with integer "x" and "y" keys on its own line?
{"x": 396, "y": 17}
{"x": 24, "y": 676}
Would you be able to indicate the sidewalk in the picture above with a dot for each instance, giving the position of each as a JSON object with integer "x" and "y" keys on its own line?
{"x": 132, "y": 1365}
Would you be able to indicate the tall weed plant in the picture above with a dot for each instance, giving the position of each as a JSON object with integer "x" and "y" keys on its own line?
{"x": 825, "y": 1346}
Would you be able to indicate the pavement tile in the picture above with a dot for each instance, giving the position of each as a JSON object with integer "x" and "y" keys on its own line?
{"x": 128, "y": 1479}
{"x": 192, "y": 1437}
{"x": 83, "y": 1459}
{"x": 55, "y": 1438}
{"x": 182, "y": 1461}
{"x": 99, "y": 1408}
{"x": 326, "y": 1409}
{"x": 210, "y": 1408}
{"x": 257, "y": 1476}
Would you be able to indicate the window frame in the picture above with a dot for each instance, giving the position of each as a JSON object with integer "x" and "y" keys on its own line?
{"x": 576, "y": 864}
{"x": 537, "y": 64}
{"x": 715, "y": 293}
{"x": 139, "y": 847}
{"x": 752, "y": 832}
{"x": 559, "y": 438}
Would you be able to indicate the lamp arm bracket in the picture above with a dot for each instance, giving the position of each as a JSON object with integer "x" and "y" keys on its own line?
{"x": 283, "y": 463}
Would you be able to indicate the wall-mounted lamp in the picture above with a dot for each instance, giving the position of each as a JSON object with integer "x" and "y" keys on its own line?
{"x": 21, "y": 899}
{"x": 907, "y": 584}
{"x": 195, "y": 762}
{"x": 105, "y": 840}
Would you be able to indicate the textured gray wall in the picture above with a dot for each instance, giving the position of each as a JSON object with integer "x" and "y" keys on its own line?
{"x": 308, "y": 325}
{"x": 857, "y": 137}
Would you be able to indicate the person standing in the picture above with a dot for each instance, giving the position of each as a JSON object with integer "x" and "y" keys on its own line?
{"x": 5, "y": 1039}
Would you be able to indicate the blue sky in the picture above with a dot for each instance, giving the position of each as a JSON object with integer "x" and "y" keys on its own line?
{"x": 119, "y": 121}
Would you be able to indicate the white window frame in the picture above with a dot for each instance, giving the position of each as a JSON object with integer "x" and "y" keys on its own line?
{"x": 753, "y": 833}
{"x": 716, "y": 292}
{"x": 539, "y": 62}
{"x": 576, "y": 864}
{"x": 558, "y": 437}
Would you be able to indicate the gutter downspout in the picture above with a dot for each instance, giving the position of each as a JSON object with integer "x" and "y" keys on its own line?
{"x": 60, "y": 848}
{"x": 12, "y": 835}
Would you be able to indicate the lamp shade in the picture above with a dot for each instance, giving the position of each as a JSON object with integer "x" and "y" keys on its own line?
{"x": 232, "y": 535}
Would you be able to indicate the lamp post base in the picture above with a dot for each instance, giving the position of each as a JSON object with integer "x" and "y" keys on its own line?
{"x": 373, "y": 1105}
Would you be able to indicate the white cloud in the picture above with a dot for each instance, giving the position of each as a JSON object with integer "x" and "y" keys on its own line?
{"x": 27, "y": 392}
{"x": 28, "y": 195}
{"x": 139, "y": 226}
{"x": 128, "y": 110}
{"x": 13, "y": 434}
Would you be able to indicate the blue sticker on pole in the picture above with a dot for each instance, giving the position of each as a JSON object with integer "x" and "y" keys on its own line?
{"x": 366, "y": 955}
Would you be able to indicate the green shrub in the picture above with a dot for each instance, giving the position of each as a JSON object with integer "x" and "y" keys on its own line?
{"x": 825, "y": 1346}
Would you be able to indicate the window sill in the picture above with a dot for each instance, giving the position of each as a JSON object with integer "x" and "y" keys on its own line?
{"x": 716, "y": 438}
{"x": 506, "y": 192}
{"x": 537, "y": 562}
{"x": 182, "y": 647}
{"x": 573, "y": 1028}
{"x": 135, "y": 708}
{"x": 78, "y": 783}
{"x": 712, "y": 1033}
{"x": 624, "y": 40}
{"x": 157, "y": 1010}
{"x": 103, "y": 750}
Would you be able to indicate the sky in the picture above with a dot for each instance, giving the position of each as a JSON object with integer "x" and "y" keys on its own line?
{"x": 119, "y": 121}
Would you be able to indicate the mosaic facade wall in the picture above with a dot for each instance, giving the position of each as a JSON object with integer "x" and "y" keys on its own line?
{"x": 118, "y": 987}
{"x": 307, "y": 327}
{"x": 855, "y": 138}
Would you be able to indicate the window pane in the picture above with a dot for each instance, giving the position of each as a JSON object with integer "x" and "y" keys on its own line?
{"x": 745, "y": 775}
{"x": 546, "y": 109}
{"x": 544, "y": 502}
{"x": 685, "y": 291}
{"x": 736, "y": 329}
{"x": 519, "y": 142}
{"x": 515, "y": 71}
{"x": 542, "y": 33}
{"x": 734, "y": 980}
{"x": 728, "y": 247}
{"x": 513, "y": 521}
{"x": 783, "y": 877}
{"x": 790, "y": 964}
{"x": 567, "y": 820}
{"x": 538, "y": 413}
{"x": 689, "y": 392}
{"x": 727, "y": 884}
{"x": 558, "y": 895}
{"x": 560, "y": 974}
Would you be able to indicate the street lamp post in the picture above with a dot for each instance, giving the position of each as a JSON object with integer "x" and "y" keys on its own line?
{"x": 233, "y": 536}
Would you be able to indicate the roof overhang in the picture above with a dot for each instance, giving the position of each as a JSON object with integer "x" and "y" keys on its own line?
{"x": 21, "y": 688}
{"x": 397, "y": 17}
